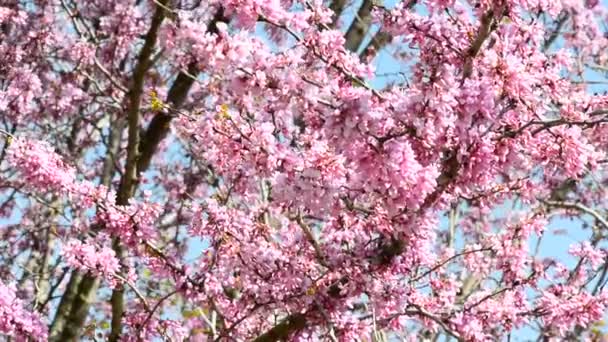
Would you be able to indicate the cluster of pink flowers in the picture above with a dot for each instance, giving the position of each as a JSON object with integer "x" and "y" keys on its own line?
{"x": 43, "y": 169}
{"x": 89, "y": 258}
{"x": 40, "y": 166}
{"x": 16, "y": 321}
{"x": 565, "y": 307}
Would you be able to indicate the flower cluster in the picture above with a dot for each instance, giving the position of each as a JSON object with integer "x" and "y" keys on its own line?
{"x": 16, "y": 321}
{"x": 87, "y": 257}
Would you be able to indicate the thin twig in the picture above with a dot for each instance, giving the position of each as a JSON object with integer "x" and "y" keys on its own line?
{"x": 579, "y": 207}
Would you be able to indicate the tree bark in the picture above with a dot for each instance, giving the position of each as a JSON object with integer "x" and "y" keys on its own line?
{"x": 359, "y": 27}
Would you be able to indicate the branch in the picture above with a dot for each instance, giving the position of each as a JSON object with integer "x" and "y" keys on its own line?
{"x": 380, "y": 39}
{"x": 151, "y": 310}
{"x": 555, "y": 33}
{"x": 579, "y": 207}
{"x": 337, "y": 6}
{"x": 448, "y": 260}
{"x": 351, "y": 77}
{"x": 377, "y": 43}
{"x": 67, "y": 305}
{"x": 129, "y": 178}
{"x": 450, "y": 164}
{"x": 75, "y": 302}
{"x": 128, "y": 181}
{"x": 159, "y": 126}
{"x": 71, "y": 318}
{"x": 418, "y": 311}
{"x": 486, "y": 27}
{"x": 319, "y": 253}
{"x": 284, "y": 329}
{"x": 359, "y": 27}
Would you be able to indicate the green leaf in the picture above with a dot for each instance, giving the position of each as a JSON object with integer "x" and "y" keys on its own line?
{"x": 188, "y": 314}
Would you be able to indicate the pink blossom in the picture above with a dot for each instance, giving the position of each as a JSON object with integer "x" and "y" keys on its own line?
{"x": 88, "y": 257}
{"x": 16, "y": 321}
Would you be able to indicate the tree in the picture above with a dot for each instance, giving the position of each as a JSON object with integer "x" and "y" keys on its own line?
{"x": 235, "y": 170}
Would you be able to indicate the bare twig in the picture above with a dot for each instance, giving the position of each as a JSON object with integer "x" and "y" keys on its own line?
{"x": 579, "y": 207}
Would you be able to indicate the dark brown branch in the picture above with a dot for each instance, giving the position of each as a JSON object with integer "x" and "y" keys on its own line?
{"x": 129, "y": 179}
{"x": 53, "y": 288}
{"x": 359, "y": 27}
{"x": 448, "y": 260}
{"x": 377, "y": 43}
{"x": 283, "y": 330}
{"x": 159, "y": 126}
{"x": 83, "y": 294}
{"x": 380, "y": 39}
{"x": 311, "y": 239}
{"x": 487, "y": 26}
{"x": 337, "y": 6}
{"x": 555, "y": 33}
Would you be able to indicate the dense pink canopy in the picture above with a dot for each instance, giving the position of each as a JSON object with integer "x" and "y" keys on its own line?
{"x": 235, "y": 170}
